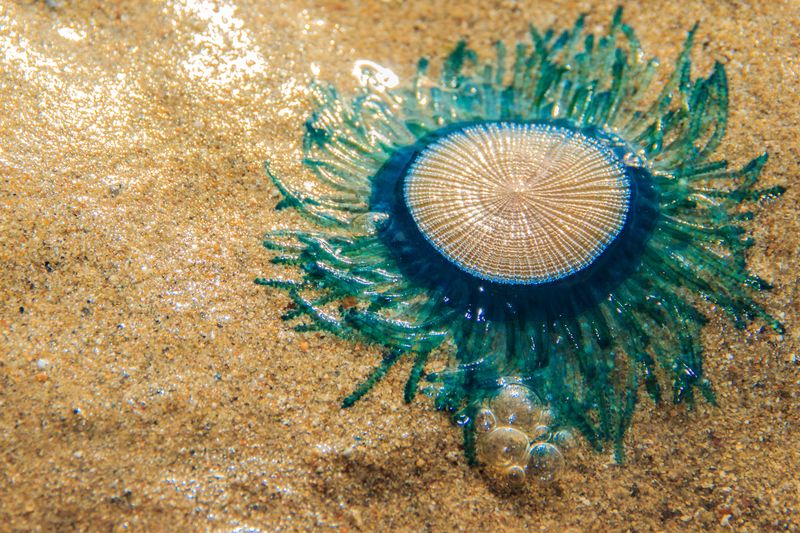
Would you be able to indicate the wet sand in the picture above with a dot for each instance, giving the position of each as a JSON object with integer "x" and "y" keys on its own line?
{"x": 147, "y": 383}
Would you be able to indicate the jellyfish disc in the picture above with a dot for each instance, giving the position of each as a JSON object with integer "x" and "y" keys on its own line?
{"x": 518, "y": 203}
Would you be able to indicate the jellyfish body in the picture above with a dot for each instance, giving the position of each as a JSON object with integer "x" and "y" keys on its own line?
{"x": 547, "y": 228}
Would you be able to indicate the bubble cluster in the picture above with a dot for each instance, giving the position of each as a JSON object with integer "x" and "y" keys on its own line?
{"x": 516, "y": 439}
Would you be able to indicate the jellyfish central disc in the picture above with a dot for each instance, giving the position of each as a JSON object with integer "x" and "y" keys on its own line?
{"x": 518, "y": 203}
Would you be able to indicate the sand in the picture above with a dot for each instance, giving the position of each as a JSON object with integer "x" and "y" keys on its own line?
{"x": 146, "y": 383}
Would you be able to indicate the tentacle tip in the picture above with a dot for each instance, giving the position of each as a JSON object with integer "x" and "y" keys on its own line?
{"x": 409, "y": 395}
{"x": 348, "y": 402}
{"x": 284, "y": 203}
{"x": 617, "y": 17}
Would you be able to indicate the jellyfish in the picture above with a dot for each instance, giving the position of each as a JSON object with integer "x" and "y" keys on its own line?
{"x": 543, "y": 223}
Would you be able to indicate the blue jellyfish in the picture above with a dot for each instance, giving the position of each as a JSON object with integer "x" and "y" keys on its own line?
{"x": 545, "y": 223}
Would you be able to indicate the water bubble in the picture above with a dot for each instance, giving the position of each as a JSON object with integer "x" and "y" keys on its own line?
{"x": 369, "y": 73}
{"x": 516, "y": 405}
{"x": 503, "y": 447}
{"x": 546, "y": 461}
{"x": 485, "y": 421}
{"x": 564, "y": 439}
{"x": 514, "y": 476}
{"x": 546, "y": 417}
{"x": 540, "y": 432}
{"x": 375, "y": 221}
{"x": 369, "y": 223}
